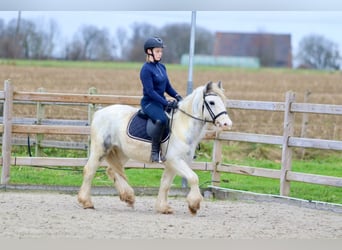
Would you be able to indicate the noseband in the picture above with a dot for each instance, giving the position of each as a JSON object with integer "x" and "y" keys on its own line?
{"x": 210, "y": 111}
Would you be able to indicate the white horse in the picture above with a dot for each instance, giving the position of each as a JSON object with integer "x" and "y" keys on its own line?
{"x": 109, "y": 141}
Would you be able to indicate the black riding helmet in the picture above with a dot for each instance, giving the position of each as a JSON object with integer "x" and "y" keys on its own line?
{"x": 153, "y": 42}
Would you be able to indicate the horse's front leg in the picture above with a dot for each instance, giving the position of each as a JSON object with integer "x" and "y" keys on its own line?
{"x": 165, "y": 183}
{"x": 194, "y": 197}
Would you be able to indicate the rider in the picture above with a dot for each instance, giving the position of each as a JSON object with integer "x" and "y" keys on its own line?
{"x": 155, "y": 83}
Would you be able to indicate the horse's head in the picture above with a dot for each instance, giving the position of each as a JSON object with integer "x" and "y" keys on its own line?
{"x": 214, "y": 106}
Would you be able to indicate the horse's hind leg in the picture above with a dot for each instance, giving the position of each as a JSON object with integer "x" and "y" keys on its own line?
{"x": 115, "y": 171}
{"x": 88, "y": 175}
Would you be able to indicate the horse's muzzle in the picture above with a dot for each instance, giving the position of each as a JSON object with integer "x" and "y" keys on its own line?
{"x": 224, "y": 123}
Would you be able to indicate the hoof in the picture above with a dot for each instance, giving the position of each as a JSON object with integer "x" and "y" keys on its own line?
{"x": 86, "y": 204}
{"x": 166, "y": 210}
{"x": 130, "y": 200}
{"x": 131, "y": 205}
{"x": 193, "y": 210}
{"x": 194, "y": 204}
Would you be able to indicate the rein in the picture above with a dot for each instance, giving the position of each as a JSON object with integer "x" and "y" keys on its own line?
{"x": 211, "y": 113}
{"x": 170, "y": 127}
{"x": 194, "y": 117}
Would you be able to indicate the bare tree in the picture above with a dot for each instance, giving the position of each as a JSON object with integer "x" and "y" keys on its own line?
{"x": 90, "y": 43}
{"x": 38, "y": 41}
{"x": 135, "y": 45}
{"x": 25, "y": 40}
{"x": 51, "y": 36}
{"x": 9, "y": 43}
{"x": 89, "y": 34}
{"x": 315, "y": 51}
{"x": 204, "y": 41}
{"x": 177, "y": 39}
{"x": 120, "y": 41}
{"x": 2, "y": 27}
{"x": 74, "y": 51}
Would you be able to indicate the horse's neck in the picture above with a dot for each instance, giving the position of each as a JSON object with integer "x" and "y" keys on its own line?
{"x": 193, "y": 129}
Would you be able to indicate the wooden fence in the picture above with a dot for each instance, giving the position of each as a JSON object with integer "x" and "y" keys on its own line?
{"x": 287, "y": 141}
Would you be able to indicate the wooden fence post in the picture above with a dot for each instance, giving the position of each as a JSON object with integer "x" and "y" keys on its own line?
{"x": 91, "y": 111}
{"x": 40, "y": 116}
{"x": 286, "y": 157}
{"x": 7, "y": 134}
{"x": 217, "y": 159}
{"x": 305, "y": 121}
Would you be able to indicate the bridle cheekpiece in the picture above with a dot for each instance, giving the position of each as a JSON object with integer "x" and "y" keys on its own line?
{"x": 210, "y": 111}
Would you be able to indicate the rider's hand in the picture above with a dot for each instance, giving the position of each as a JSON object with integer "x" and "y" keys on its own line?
{"x": 171, "y": 105}
{"x": 178, "y": 98}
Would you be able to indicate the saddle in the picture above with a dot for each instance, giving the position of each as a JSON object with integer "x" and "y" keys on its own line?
{"x": 140, "y": 127}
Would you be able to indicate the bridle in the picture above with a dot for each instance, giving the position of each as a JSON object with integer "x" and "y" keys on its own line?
{"x": 210, "y": 111}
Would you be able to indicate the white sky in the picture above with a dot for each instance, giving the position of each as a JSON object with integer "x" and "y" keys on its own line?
{"x": 296, "y": 23}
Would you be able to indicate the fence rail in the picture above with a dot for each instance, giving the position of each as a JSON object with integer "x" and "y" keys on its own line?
{"x": 40, "y": 126}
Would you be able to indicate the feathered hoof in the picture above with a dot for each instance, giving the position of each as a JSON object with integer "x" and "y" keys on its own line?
{"x": 165, "y": 210}
{"x": 193, "y": 211}
{"x": 89, "y": 207}
{"x": 130, "y": 200}
{"x": 194, "y": 203}
{"x": 86, "y": 204}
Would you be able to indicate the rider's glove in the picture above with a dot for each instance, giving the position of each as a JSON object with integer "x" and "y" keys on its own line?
{"x": 171, "y": 105}
{"x": 178, "y": 98}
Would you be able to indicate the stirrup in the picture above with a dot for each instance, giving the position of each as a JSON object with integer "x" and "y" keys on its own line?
{"x": 160, "y": 159}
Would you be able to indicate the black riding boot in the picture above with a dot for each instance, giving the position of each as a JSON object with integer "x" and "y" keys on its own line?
{"x": 156, "y": 135}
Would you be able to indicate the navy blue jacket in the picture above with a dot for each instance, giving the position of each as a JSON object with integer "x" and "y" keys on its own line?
{"x": 155, "y": 83}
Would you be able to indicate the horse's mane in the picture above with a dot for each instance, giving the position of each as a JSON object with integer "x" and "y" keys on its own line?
{"x": 210, "y": 87}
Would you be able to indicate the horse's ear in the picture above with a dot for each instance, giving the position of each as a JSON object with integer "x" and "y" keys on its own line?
{"x": 208, "y": 87}
{"x": 219, "y": 84}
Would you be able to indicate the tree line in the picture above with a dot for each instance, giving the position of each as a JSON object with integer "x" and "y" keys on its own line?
{"x": 25, "y": 39}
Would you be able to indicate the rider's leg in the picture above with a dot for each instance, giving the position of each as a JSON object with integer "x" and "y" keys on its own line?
{"x": 156, "y": 135}
{"x": 156, "y": 112}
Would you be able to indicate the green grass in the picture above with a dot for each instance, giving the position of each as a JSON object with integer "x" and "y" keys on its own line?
{"x": 328, "y": 164}
{"x": 151, "y": 178}
{"x": 70, "y": 64}
{"x": 137, "y": 65}
{"x": 83, "y": 64}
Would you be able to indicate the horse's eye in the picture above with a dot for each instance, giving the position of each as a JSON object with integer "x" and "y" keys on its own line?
{"x": 212, "y": 103}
